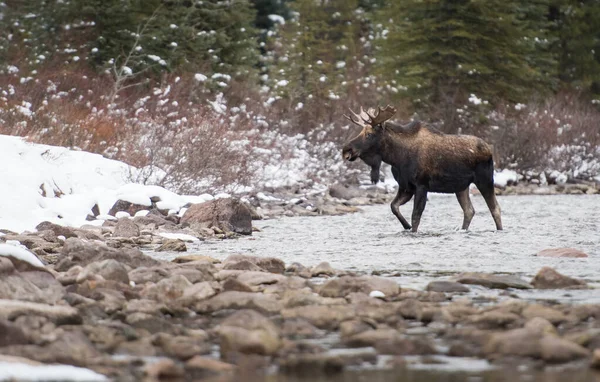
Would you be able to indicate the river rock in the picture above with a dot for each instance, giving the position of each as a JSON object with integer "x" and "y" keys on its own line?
{"x": 552, "y": 315}
{"x": 181, "y": 347}
{"x": 299, "y": 328}
{"x": 561, "y": 252}
{"x": 242, "y": 265}
{"x": 548, "y": 278}
{"x": 322, "y": 316}
{"x": 58, "y": 230}
{"x": 558, "y": 350}
{"x": 541, "y": 325}
{"x": 79, "y": 252}
{"x": 167, "y": 290}
{"x": 492, "y": 281}
{"x": 247, "y": 331}
{"x": 33, "y": 286}
{"x": 199, "y": 367}
{"x": 233, "y": 284}
{"x": 144, "y": 275}
{"x": 446, "y": 287}
{"x": 227, "y": 214}
{"x": 125, "y": 206}
{"x": 342, "y": 286}
{"x": 494, "y": 319}
{"x": 268, "y": 264}
{"x": 342, "y": 191}
{"x": 197, "y": 292}
{"x": 252, "y": 278}
{"x": 189, "y": 258}
{"x": 11, "y": 334}
{"x": 109, "y": 269}
{"x": 517, "y": 342}
{"x": 126, "y": 228}
{"x": 323, "y": 269}
{"x": 299, "y": 270}
{"x": 172, "y": 245}
{"x": 596, "y": 359}
{"x": 239, "y": 300}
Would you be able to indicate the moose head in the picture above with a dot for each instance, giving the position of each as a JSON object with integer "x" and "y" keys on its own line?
{"x": 368, "y": 141}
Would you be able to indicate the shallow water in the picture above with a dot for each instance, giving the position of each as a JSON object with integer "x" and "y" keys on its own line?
{"x": 373, "y": 240}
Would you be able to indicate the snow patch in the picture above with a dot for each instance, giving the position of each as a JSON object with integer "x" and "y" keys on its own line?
{"x": 21, "y": 254}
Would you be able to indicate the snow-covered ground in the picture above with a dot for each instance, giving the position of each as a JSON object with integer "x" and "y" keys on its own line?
{"x": 33, "y": 177}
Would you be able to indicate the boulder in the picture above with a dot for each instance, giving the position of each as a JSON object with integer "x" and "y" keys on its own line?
{"x": 59, "y": 314}
{"x": 268, "y": 264}
{"x": 172, "y": 245}
{"x": 323, "y": 269}
{"x": 342, "y": 286}
{"x": 126, "y": 228}
{"x": 181, "y": 347}
{"x": 492, "y": 281}
{"x": 322, "y": 316}
{"x": 34, "y": 286}
{"x": 550, "y": 314}
{"x": 203, "y": 367}
{"x": 548, "y": 278}
{"x": 558, "y": 350}
{"x": 253, "y": 278}
{"x": 79, "y": 252}
{"x": 247, "y": 331}
{"x": 125, "y": 206}
{"x": 11, "y": 334}
{"x": 240, "y": 300}
{"x": 541, "y": 325}
{"x": 196, "y": 293}
{"x": 167, "y": 290}
{"x": 561, "y": 252}
{"x": 58, "y": 230}
{"x": 189, "y": 258}
{"x": 227, "y": 214}
{"x": 109, "y": 269}
{"x": 342, "y": 191}
{"x": 446, "y": 287}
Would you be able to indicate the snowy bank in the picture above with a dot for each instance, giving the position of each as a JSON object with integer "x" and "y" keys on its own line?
{"x": 48, "y": 183}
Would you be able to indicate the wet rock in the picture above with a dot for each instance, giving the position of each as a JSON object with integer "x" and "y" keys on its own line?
{"x": 11, "y": 334}
{"x": 247, "y": 331}
{"x": 325, "y": 364}
{"x": 341, "y": 191}
{"x": 240, "y": 300}
{"x": 79, "y": 252}
{"x": 446, "y": 287}
{"x": 233, "y": 284}
{"x": 126, "y": 228}
{"x": 342, "y": 286}
{"x": 561, "y": 252}
{"x": 370, "y": 337}
{"x": 397, "y": 345}
{"x": 189, "y": 258}
{"x": 181, "y": 347}
{"x": 552, "y": 315}
{"x": 516, "y": 342}
{"x": 322, "y": 316}
{"x": 548, "y": 278}
{"x": 172, "y": 245}
{"x": 164, "y": 370}
{"x": 493, "y": 281}
{"x": 323, "y": 269}
{"x": 58, "y": 230}
{"x": 108, "y": 269}
{"x": 202, "y": 367}
{"x": 268, "y": 264}
{"x": 227, "y": 214}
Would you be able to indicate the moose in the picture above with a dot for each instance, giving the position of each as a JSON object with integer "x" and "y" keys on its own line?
{"x": 423, "y": 160}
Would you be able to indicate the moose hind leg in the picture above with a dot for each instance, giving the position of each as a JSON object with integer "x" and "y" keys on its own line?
{"x": 402, "y": 197}
{"x": 465, "y": 203}
{"x": 419, "y": 206}
{"x": 487, "y": 191}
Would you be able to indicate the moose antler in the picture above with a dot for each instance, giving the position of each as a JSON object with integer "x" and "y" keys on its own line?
{"x": 383, "y": 114}
{"x": 370, "y": 118}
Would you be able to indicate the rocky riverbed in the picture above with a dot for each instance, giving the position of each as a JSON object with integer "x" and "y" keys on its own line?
{"x": 101, "y": 303}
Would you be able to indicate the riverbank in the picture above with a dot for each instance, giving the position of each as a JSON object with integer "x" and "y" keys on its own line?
{"x": 106, "y": 301}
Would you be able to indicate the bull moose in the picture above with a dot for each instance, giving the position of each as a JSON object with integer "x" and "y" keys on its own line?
{"x": 423, "y": 160}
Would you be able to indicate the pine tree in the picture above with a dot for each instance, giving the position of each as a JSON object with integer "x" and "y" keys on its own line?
{"x": 441, "y": 51}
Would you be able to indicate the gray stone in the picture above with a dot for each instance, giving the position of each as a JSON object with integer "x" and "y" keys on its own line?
{"x": 227, "y": 214}
{"x": 493, "y": 281}
{"x": 126, "y": 228}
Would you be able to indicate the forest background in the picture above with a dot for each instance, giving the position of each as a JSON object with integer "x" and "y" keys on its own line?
{"x": 230, "y": 95}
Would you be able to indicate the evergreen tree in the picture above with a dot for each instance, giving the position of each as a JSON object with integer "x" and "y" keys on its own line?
{"x": 578, "y": 47}
{"x": 441, "y": 51}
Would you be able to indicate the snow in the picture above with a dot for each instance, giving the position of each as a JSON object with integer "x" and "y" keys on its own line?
{"x": 200, "y": 77}
{"x": 48, "y": 183}
{"x": 16, "y": 371}
{"x": 21, "y": 254}
{"x": 502, "y": 178}
{"x": 277, "y": 19}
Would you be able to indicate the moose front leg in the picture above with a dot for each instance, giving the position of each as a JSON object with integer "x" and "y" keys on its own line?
{"x": 375, "y": 172}
{"x": 402, "y": 197}
{"x": 419, "y": 206}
